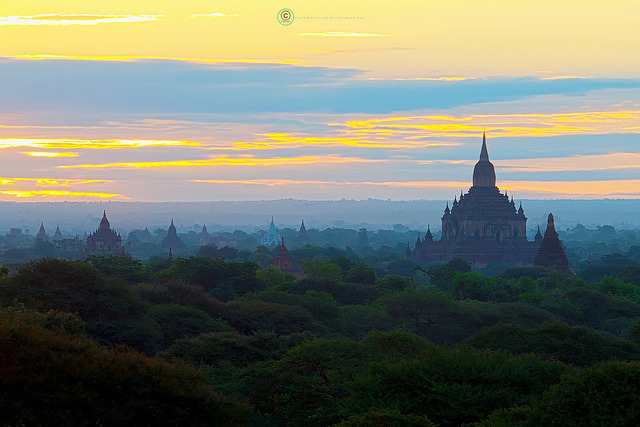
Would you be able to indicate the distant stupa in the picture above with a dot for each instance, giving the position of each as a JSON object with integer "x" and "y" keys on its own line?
{"x": 58, "y": 235}
{"x": 283, "y": 260}
{"x": 42, "y": 234}
{"x": 272, "y": 238}
{"x": 551, "y": 254}
{"x": 172, "y": 240}
{"x": 303, "y": 237}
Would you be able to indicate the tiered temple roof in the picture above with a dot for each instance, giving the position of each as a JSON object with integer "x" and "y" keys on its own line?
{"x": 104, "y": 239}
{"x": 483, "y": 226}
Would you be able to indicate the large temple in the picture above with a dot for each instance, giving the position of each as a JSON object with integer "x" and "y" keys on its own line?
{"x": 483, "y": 227}
{"x": 104, "y": 240}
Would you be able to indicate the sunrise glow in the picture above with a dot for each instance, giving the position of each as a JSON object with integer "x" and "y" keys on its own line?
{"x": 152, "y": 100}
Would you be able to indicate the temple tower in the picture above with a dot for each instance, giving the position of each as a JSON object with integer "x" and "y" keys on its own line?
{"x": 551, "y": 254}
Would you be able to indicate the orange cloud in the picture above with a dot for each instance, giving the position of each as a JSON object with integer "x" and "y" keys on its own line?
{"x": 593, "y": 162}
{"x": 626, "y": 189}
{"x": 554, "y": 189}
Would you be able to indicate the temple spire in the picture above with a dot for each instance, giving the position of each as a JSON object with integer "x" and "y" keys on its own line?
{"x": 104, "y": 223}
{"x": 484, "y": 154}
{"x": 484, "y": 175}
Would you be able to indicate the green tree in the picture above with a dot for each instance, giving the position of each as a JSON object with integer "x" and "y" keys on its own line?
{"x": 57, "y": 378}
{"x": 472, "y": 285}
{"x": 453, "y": 386}
{"x": 178, "y": 292}
{"x": 605, "y": 394}
{"x": 361, "y": 273}
{"x": 321, "y": 271}
{"x": 112, "y": 312}
{"x": 576, "y": 345}
{"x": 250, "y": 316}
{"x": 441, "y": 276}
{"x": 394, "y": 283}
{"x": 232, "y": 348}
{"x": 126, "y": 268}
{"x": 177, "y": 321}
{"x": 386, "y": 418}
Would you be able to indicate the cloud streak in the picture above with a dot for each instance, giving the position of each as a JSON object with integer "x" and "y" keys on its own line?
{"x": 60, "y": 194}
{"x": 212, "y": 15}
{"x": 228, "y": 161}
{"x": 97, "y": 144}
{"x": 592, "y": 162}
{"x": 500, "y": 125}
{"x": 49, "y": 154}
{"x": 343, "y": 34}
{"x": 74, "y": 19}
{"x": 51, "y": 182}
{"x": 550, "y": 189}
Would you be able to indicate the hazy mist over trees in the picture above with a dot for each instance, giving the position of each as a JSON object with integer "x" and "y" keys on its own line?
{"x": 372, "y": 214}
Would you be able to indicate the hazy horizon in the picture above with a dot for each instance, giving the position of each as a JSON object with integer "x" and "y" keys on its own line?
{"x": 372, "y": 214}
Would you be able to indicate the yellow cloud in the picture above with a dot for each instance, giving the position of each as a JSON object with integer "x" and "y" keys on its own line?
{"x": 226, "y": 161}
{"x": 498, "y": 125}
{"x": 74, "y": 19}
{"x": 50, "y": 182}
{"x": 89, "y": 143}
{"x": 55, "y": 193}
{"x": 49, "y": 154}
{"x": 280, "y": 140}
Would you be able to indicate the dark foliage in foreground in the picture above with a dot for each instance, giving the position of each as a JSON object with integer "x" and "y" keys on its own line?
{"x": 205, "y": 341}
{"x": 62, "y": 378}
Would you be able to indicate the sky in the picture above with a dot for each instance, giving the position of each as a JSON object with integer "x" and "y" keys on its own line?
{"x": 199, "y": 100}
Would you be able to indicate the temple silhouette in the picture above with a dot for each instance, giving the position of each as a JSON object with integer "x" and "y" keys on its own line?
{"x": 104, "y": 240}
{"x": 172, "y": 241}
{"x": 272, "y": 238}
{"x": 551, "y": 254}
{"x": 483, "y": 227}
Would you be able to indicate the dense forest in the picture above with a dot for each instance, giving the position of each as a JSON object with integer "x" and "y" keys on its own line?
{"x": 355, "y": 340}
